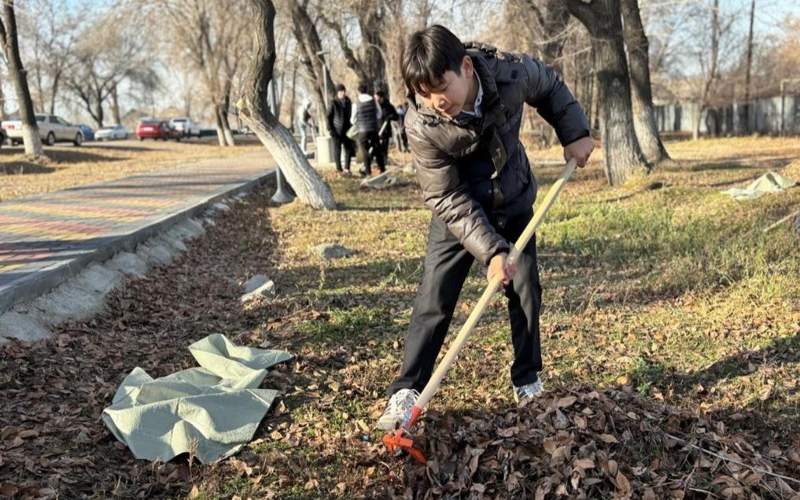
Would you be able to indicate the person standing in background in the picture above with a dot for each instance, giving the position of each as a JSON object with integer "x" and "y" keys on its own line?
{"x": 338, "y": 116}
{"x": 389, "y": 117}
{"x": 367, "y": 116}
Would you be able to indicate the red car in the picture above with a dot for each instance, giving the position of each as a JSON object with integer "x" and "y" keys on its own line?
{"x": 156, "y": 129}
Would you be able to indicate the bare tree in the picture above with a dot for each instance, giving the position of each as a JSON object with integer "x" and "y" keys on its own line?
{"x": 10, "y": 41}
{"x": 621, "y": 150}
{"x": 368, "y": 60}
{"x": 712, "y": 29}
{"x": 53, "y": 31}
{"x": 644, "y": 118}
{"x": 254, "y": 110}
{"x": 210, "y": 32}
{"x": 111, "y": 50}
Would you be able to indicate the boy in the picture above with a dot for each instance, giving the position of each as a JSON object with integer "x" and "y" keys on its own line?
{"x": 339, "y": 123}
{"x": 388, "y": 117}
{"x": 367, "y": 116}
{"x": 464, "y": 135}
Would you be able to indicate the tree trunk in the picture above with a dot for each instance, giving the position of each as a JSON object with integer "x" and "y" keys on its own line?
{"x": 371, "y": 25}
{"x": 712, "y": 72}
{"x": 644, "y": 118}
{"x": 226, "y": 125}
{"x": 220, "y": 125}
{"x": 293, "y": 98}
{"x": 115, "y": 106}
{"x": 3, "y": 115}
{"x": 311, "y": 189}
{"x": 99, "y": 114}
{"x": 305, "y": 32}
{"x": 621, "y": 150}
{"x": 54, "y": 92}
{"x": 8, "y": 34}
{"x": 749, "y": 64}
{"x": 187, "y": 102}
{"x": 553, "y": 19}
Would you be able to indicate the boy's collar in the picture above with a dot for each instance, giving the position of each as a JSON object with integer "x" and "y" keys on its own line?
{"x": 476, "y": 106}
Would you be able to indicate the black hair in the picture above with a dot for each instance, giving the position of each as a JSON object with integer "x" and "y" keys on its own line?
{"x": 363, "y": 88}
{"x": 340, "y": 87}
{"x": 380, "y": 93}
{"x": 429, "y": 54}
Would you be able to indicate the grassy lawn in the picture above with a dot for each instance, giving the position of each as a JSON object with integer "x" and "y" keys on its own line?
{"x": 671, "y": 341}
{"x": 672, "y": 295}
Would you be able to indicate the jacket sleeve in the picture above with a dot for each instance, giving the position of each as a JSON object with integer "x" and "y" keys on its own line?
{"x": 392, "y": 113}
{"x": 448, "y": 197}
{"x": 329, "y": 117}
{"x": 548, "y": 93}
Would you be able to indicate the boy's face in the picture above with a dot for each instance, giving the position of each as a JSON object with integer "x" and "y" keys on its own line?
{"x": 449, "y": 97}
{"x": 341, "y": 94}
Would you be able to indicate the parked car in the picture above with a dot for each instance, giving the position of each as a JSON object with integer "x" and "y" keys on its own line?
{"x": 88, "y": 133}
{"x": 111, "y": 133}
{"x": 156, "y": 129}
{"x": 52, "y": 129}
{"x": 185, "y": 126}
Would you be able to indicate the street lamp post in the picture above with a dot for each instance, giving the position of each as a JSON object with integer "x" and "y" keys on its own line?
{"x": 324, "y": 143}
{"x": 283, "y": 191}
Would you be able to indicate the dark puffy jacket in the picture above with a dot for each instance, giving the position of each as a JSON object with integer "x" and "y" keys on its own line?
{"x": 388, "y": 114}
{"x": 339, "y": 116}
{"x": 470, "y": 168}
{"x": 367, "y": 115}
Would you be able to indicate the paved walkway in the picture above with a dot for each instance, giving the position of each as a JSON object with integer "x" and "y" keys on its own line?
{"x": 45, "y": 239}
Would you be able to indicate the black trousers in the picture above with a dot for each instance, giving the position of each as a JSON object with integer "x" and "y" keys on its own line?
{"x": 384, "y": 140}
{"x": 371, "y": 148}
{"x": 447, "y": 264}
{"x": 349, "y": 151}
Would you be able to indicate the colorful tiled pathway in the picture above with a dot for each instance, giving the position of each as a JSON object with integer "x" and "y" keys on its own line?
{"x": 42, "y": 234}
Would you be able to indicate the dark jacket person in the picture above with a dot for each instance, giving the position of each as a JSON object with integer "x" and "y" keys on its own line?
{"x": 463, "y": 122}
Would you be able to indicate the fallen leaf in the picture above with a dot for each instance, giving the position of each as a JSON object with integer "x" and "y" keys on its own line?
{"x": 608, "y": 438}
{"x": 566, "y": 402}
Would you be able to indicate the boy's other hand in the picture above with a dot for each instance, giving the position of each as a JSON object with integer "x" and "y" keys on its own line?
{"x": 499, "y": 266}
{"x": 580, "y": 150}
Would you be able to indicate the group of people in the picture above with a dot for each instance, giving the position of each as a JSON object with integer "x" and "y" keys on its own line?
{"x": 372, "y": 122}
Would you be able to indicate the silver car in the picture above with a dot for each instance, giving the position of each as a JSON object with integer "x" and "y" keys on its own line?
{"x": 52, "y": 129}
{"x": 111, "y": 133}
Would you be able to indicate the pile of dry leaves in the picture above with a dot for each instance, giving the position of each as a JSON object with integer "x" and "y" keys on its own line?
{"x": 590, "y": 444}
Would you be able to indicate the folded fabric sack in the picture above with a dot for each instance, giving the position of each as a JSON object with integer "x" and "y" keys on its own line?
{"x": 771, "y": 182}
{"x": 210, "y": 411}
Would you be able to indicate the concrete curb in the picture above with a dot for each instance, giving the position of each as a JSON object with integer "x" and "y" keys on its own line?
{"x": 49, "y": 278}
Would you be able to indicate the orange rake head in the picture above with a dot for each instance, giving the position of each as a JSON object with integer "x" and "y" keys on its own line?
{"x": 401, "y": 441}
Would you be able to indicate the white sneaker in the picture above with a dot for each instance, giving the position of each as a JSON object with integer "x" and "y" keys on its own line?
{"x": 398, "y": 410}
{"x": 526, "y": 393}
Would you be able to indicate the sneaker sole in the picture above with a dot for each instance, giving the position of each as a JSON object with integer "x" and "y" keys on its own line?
{"x": 387, "y": 423}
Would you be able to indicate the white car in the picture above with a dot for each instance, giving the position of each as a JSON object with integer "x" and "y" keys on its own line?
{"x": 111, "y": 133}
{"x": 52, "y": 129}
{"x": 185, "y": 126}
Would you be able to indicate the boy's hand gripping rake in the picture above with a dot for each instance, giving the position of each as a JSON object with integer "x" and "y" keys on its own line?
{"x": 401, "y": 439}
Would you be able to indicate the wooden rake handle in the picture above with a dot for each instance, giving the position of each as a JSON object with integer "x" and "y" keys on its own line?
{"x": 436, "y": 379}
